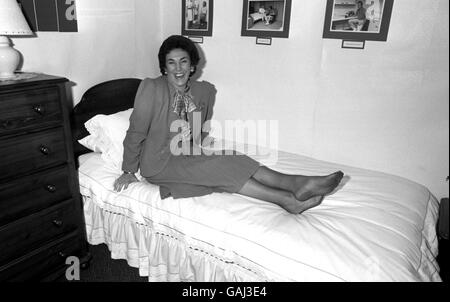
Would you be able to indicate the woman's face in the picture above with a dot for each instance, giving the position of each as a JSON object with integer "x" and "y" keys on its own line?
{"x": 178, "y": 67}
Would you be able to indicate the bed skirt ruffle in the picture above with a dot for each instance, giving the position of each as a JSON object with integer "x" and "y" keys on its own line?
{"x": 428, "y": 266}
{"x": 162, "y": 255}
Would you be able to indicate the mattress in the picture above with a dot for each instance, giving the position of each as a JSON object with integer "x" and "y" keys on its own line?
{"x": 374, "y": 227}
{"x": 257, "y": 16}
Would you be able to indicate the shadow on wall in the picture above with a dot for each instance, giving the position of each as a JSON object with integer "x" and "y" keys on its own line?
{"x": 201, "y": 65}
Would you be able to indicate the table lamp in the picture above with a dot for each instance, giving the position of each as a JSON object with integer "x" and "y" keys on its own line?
{"x": 12, "y": 23}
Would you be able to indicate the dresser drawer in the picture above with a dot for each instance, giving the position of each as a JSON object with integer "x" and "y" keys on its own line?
{"x": 28, "y": 195}
{"x": 29, "y": 109}
{"x": 26, "y": 153}
{"x": 31, "y": 232}
{"x": 42, "y": 261}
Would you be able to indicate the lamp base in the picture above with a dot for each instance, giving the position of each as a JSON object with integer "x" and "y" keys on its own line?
{"x": 19, "y": 76}
{"x": 9, "y": 59}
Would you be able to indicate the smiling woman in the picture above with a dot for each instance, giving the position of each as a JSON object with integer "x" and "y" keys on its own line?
{"x": 152, "y": 146}
{"x": 178, "y": 68}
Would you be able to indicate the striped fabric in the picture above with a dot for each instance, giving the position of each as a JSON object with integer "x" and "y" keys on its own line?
{"x": 183, "y": 103}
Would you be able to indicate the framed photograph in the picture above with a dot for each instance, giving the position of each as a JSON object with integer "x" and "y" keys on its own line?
{"x": 197, "y": 18}
{"x": 266, "y": 18}
{"x": 358, "y": 19}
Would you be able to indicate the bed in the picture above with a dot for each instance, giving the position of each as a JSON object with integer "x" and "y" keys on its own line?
{"x": 253, "y": 18}
{"x": 257, "y": 16}
{"x": 374, "y": 227}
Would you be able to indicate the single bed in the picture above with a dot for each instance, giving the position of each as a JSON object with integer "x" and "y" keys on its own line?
{"x": 257, "y": 16}
{"x": 375, "y": 227}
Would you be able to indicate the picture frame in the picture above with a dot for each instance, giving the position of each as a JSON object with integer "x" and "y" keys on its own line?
{"x": 197, "y": 18}
{"x": 344, "y": 19}
{"x": 266, "y": 18}
{"x": 50, "y": 15}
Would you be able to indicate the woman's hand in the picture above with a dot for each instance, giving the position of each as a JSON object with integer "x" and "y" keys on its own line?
{"x": 124, "y": 181}
{"x": 186, "y": 134}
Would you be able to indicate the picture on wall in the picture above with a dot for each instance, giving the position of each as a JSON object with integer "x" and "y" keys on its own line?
{"x": 358, "y": 19}
{"x": 266, "y": 18}
{"x": 50, "y": 15}
{"x": 197, "y": 17}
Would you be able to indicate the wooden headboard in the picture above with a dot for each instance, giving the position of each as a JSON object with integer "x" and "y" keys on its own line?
{"x": 105, "y": 98}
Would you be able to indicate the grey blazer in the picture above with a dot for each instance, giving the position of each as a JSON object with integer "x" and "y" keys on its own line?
{"x": 147, "y": 142}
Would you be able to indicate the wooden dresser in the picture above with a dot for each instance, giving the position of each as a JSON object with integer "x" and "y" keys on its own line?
{"x": 41, "y": 213}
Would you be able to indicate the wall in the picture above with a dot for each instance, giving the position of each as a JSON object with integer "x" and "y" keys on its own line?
{"x": 148, "y": 37}
{"x": 383, "y": 108}
{"x": 105, "y": 46}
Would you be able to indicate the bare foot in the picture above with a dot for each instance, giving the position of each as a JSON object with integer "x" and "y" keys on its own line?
{"x": 298, "y": 207}
{"x": 310, "y": 186}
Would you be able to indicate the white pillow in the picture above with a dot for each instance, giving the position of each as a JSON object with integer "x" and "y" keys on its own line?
{"x": 107, "y": 133}
{"x": 93, "y": 143}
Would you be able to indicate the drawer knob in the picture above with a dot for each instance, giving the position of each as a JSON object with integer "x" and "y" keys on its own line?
{"x": 51, "y": 188}
{"x": 58, "y": 223}
{"x": 39, "y": 109}
{"x": 44, "y": 150}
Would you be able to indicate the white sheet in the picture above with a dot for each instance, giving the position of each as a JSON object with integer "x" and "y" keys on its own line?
{"x": 257, "y": 16}
{"x": 376, "y": 227}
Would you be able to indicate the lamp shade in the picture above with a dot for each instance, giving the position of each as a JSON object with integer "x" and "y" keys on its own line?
{"x": 12, "y": 21}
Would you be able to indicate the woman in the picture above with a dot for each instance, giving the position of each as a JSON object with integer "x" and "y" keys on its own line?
{"x": 149, "y": 144}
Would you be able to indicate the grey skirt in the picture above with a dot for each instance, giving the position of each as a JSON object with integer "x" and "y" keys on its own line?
{"x": 197, "y": 175}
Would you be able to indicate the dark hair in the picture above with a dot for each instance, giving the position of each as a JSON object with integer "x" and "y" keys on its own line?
{"x": 360, "y": 2}
{"x": 178, "y": 42}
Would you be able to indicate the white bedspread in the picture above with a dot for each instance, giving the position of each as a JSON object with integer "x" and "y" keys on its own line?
{"x": 376, "y": 227}
{"x": 257, "y": 16}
